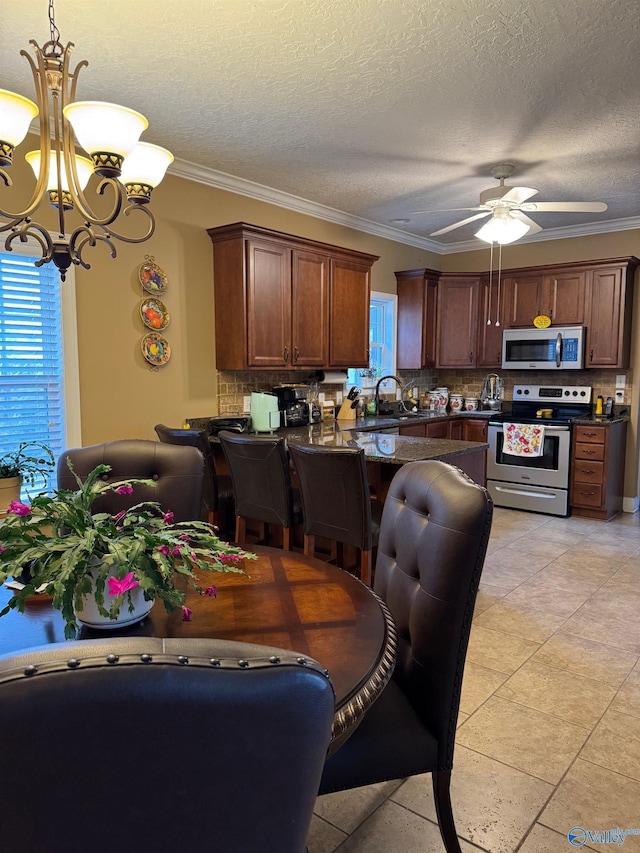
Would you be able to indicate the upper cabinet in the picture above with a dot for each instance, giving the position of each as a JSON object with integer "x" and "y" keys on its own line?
{"x": 285, "y": 302}
{"x": 470, "y": 316}
{"x": 417, "y": 301}
{"x": 609, "y": 313}
{"x": 457, "y": 320}
{"x": 559, "y": 295}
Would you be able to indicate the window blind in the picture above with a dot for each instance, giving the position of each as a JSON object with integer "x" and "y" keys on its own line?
{"x": 31, "y": 356}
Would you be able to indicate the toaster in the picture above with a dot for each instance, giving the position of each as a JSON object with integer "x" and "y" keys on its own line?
{"x": 232, "y": 423}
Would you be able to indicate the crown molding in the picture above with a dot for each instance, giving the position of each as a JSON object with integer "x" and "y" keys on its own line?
{"x": 231, "y": 183}
{"x": 260, "y": 192}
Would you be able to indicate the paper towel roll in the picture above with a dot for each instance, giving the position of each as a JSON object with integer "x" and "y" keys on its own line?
{"x": 333, "y": 377}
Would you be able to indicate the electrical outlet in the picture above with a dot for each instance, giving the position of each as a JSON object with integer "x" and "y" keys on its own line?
{"x": 620, "y": 380}
{"x": 246, "y": 403}
{"x": 339, "y": 396}
{"x": 619, "y": 396}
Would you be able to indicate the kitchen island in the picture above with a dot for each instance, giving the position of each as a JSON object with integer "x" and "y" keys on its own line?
{"x": 384, "y": 449}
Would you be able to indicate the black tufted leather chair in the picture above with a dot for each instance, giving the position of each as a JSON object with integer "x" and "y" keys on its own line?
{"x": 178, "y": 473}
{"x": 262, "y": 488}
{"x": 336, "y": 503}
{"x": 217, "y": 493}
{"x": 146, "y": 744}
{"x": 433, "y": 539}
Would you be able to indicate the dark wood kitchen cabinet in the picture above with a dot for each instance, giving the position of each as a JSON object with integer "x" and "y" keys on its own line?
{"x": 285, "y": 302}
{"x": 490, "y": 323}
{"x": 417, "y": 301}
{"x": 609, "y": 314}
{"x": 475, "y": 429}
{"x": 597, "y": 469}
{"x": 457, "y": 320}
{"x": 559, "y": 295}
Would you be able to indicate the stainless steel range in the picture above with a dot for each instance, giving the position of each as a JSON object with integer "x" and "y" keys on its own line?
{"x": 537, "y": 483}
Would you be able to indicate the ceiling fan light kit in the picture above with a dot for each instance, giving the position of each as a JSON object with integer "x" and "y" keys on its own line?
{"x": 508, "y": 207}
{"x": 108, "y": 133}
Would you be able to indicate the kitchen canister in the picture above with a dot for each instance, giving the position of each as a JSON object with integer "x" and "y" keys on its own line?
{"x": 471, "y": 404}
{"x": 444, "y": 398}
{"x": 456, "y": 401}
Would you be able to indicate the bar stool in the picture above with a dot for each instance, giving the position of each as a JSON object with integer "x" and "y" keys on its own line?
{"x": 217, "y": 493}
{"x": 336, "y": 502}
{"x": 262, "y": 487}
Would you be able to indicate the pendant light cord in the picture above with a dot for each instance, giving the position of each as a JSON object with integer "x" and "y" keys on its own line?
{"x": 490, "y": 278}
{"x": 499, "y": 281}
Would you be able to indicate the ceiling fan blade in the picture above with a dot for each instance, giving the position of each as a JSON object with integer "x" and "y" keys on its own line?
{"x": 519, "y": 194}
{"x": 533, "y": 226}
{"x": 444, "y": 210}
{"x": 459, "y": 224}
{"x": 568, "y": 206}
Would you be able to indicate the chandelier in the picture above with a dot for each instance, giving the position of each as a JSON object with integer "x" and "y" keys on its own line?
{"x": 127, "y": 169}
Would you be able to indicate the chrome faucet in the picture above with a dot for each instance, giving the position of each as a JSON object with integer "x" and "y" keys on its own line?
{"x": 377, "y": 394}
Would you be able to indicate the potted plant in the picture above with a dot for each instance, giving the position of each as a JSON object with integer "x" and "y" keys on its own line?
{"x": 31, "y": 460}
{"x": 107, "y": 570}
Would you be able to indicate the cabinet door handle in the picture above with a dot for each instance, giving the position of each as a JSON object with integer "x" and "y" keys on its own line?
{"x": 296, "y": 353}
{"x": 587, "y": 494}
{"x": 590, "y": 452}
{"x": 590, "y": 433}
{"x": 471, "y": 356}
{"x": 591, "y": 355}
{"x": 286, "y": 355}
{"x": 587, "y": 471}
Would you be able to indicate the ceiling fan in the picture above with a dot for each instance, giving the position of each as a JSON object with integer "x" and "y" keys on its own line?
{"x": 508, "y": 207}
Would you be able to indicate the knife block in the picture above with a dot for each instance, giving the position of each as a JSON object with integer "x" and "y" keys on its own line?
{"x": 346, "y": 413}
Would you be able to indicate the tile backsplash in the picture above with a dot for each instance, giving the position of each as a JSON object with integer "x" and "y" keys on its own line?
{"x": 233, "y": 386}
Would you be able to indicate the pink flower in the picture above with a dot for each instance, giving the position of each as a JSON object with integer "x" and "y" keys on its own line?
{"x": 164, "y": 549}
{"x": 211, "y": 590}
{"x": 186, "y": 613}
{"x": 117, "y": 587}
{"x": 168, "y": 517}
{"x": 120, "y": 515}
{"x": 194, "y": 556}
{"x": 184, "y": 537}
{"x": 2, "y": 549}
{"x": 176, "y": 550}
{"x": 124, "y": 490}
{"x": 229, "y": 558}
{"x": 18, "y": 508}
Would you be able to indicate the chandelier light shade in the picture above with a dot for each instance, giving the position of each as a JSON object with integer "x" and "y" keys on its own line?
{"x": 16, "y": 114}
{"x": 127, "y": 170}
{"x": 502, "y": 228}
{"x": 143, "y": 170}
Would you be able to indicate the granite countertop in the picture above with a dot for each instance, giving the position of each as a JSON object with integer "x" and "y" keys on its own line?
{"x": 382, "y": 446}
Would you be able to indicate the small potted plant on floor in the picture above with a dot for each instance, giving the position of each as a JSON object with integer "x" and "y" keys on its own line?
{"x": 29, "y": 462}
{"x": 106, "y": 570}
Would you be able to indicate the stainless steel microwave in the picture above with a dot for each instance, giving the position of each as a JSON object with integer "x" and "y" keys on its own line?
{"x": 555, "y": 348}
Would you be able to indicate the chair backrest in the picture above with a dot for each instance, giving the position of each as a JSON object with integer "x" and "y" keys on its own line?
{"x": 261, "y": 477}
{"x": 178, "y": 473}
{"x": 195, "y": 438}
{"x": 335, "y": 493}
{"x": 433, "y": 540}
{"x": 163, "y": 745}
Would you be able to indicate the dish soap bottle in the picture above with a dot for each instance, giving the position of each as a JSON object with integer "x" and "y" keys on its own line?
{"x": 599, "y": 403}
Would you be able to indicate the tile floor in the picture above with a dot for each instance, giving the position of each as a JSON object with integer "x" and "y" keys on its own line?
{"x": 549, "y": 726}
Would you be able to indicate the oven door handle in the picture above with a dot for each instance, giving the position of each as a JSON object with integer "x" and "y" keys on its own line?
{"x": 550, "y": 428}
{"x": 559, "y": 350}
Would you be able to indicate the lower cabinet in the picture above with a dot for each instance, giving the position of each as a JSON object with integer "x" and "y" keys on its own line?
{"x": 456, "y": 428}
{"x": 597, "y": 469}
{"x": 475, "y": 429}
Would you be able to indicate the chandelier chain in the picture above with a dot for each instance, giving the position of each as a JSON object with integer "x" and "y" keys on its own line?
{"x": 54, "y": 31}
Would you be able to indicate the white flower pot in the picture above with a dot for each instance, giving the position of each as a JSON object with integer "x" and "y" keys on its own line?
{"x": 9, "y": 491}
{"x": 90, "y": 615}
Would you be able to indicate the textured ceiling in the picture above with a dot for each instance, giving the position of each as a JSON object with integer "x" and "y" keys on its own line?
{"x": 376, "y": 108}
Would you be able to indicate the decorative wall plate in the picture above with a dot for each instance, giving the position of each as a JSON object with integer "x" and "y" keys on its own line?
{"x": 156, "y": 349}
{"x": 152, "y": 278}
{"x": 154, "y": 314}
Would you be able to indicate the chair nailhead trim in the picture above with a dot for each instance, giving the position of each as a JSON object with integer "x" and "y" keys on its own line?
{"x": 274, "y": 659}
{"x": 73, "y": 663}
{"x": 183, "y": 659}
{"x": 30, "y": 670}
{"x": 146, "y": 658}
{"x": 301, "y": 661}
{"x": 214, "y": 662}
{"x": 243, "y": 663}
{"x": 112, "y": 658}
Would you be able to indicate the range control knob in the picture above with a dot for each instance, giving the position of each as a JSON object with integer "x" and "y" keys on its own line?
{"x": 566, "y": 393}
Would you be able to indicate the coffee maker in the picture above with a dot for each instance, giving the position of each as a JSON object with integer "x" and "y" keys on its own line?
{"x": 292, "y": 402}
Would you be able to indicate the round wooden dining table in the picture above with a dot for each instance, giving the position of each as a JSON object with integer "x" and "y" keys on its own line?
{"x": 284, "y": 600}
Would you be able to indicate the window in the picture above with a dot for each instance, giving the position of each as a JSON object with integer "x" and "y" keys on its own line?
{"x": 39, "y": 392}
{"x": 382, "y": 342}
